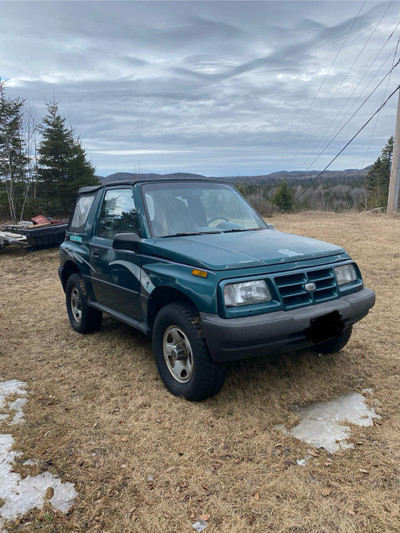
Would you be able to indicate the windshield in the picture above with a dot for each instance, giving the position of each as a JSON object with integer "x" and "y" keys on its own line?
{"x": 187, "y": 208}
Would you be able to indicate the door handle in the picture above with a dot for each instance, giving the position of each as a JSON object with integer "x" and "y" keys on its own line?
{"x": 96, "y": 252}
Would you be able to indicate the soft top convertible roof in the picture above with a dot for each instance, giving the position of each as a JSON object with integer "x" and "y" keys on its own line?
{"x": 87, "y": 190}
{"x": 94, "y": 188}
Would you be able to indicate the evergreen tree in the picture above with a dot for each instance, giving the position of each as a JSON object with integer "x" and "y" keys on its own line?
{"x": 63, "y": 166}
{"x": 13, "y": 157}
{"x": 378, "y": 177}
{"x": 283, "y": 197}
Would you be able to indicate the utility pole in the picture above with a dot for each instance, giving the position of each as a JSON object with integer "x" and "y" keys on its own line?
{"x": 394, "y": 185}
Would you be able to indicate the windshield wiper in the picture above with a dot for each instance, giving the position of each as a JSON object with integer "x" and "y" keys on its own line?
{"x": 242, "y": 229}
{"x": 188, "y": 234}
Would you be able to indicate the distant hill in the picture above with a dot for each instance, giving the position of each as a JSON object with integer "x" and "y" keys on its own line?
{"x": 128, "y": 176}
{"x": 350, "y": 176}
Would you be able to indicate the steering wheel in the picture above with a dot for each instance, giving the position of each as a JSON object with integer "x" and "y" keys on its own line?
{"x": 219, "y": 217}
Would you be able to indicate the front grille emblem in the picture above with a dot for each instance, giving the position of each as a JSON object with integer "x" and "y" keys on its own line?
{"x": 310, "y": 287}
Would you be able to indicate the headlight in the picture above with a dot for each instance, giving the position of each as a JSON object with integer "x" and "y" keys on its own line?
{"x": 247, "y": 293}
{"x": 345, "y": 274}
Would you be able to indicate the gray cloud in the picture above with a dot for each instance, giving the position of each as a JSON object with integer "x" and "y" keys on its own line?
{"x": 218, "y": 88}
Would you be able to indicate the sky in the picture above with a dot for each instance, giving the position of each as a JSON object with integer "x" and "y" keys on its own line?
{"x": 218, "y": 88}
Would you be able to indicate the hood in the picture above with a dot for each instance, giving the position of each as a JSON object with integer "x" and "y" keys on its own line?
{"x": 225, "y": 251}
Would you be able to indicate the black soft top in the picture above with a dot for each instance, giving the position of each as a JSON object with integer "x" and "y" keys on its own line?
{"x": 94, "y": 188}
{"x": 87, "y": 190}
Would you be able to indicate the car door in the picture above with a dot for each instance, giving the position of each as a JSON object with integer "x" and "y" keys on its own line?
{"x": 116, "y": 273}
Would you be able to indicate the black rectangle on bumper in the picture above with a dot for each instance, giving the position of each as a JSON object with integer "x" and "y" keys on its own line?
{"x": 279, "y": 331}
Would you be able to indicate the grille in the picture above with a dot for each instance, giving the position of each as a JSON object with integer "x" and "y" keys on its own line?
{"x": 291, "y": 287}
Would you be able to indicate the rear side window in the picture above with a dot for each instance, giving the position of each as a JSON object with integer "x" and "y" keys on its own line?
{"x": 81, "y": 213}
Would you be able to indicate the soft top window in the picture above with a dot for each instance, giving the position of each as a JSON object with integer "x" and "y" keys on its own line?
{"x": 81, "y": 213}
{"x": 118, "y": 214}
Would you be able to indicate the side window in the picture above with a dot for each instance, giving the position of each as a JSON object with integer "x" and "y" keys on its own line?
{"x": 118, "y": 214}
{"x": 81, "y": 213}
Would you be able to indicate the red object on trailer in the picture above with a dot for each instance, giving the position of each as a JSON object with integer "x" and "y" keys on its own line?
{"x": 40, "y": 219}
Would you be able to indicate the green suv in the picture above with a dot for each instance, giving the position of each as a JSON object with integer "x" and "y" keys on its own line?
{"x": 192, "y": 264}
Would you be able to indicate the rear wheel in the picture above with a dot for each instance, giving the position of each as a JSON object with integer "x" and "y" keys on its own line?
{"x": 181, "y": 354}
{"x": 83, "y": 318}
{"x": 333, "y": 345}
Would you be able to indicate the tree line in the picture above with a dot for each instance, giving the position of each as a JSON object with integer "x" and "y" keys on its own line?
{"x": 42, "y": 163}
{"x": 323, "y": 195}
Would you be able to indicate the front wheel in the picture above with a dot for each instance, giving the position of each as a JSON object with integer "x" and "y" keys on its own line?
{"x": 182, "y": 356}
{"x": 83, "y": 318}
{"x": 333, "y": 345}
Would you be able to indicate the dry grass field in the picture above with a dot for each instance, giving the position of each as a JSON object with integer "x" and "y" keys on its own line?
{"x": 144, "y": 461}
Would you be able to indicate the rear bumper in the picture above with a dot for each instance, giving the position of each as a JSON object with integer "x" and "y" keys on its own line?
{"x": 276, "y": 332}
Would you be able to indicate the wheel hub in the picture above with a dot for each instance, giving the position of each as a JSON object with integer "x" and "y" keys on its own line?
{"x": 178, "y": 354}
{"x": 76, "y": 305}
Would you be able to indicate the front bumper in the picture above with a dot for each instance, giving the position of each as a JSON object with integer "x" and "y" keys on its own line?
{"x": 279, "y": 331}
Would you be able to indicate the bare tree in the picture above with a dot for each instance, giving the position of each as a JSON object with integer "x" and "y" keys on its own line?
{"x": 30, "y": 130}
{"x": 12, "y": 150}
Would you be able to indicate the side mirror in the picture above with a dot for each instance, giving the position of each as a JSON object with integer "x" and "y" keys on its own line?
{"x": 127, "y": 241}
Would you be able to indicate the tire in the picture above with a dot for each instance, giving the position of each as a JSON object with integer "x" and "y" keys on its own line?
{"x": 182, "y": 356}
{"x": 333, "y": 345}
{"x": 84, "y": 319}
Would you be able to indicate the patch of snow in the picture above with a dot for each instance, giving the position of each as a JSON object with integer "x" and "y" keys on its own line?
{"x": 20, "y": 495}
{"x": 8, "y": 388}
{"x": 200, "y": 525}
{"x": 12, "y": 386}
{"x": 323, "y": 424}
{"x": 17, "y": 406}
{"x": 368, "y": 390}
{"x": 30, "y": 462}
{"x": 282, "y": 428}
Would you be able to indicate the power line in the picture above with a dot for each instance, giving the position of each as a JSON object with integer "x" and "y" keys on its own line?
{"x": 350, "y": 141}
{"x": 354, "y": 90}
{"x": 352, "y": 116}
{"x": 348, "y": 72}
{"x": 323, "y": 81}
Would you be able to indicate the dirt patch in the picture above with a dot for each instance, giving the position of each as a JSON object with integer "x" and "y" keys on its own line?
{"x": 99, "y": 417}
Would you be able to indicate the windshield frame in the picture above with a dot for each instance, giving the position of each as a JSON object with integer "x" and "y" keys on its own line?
{"x": 193, "y": 185}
